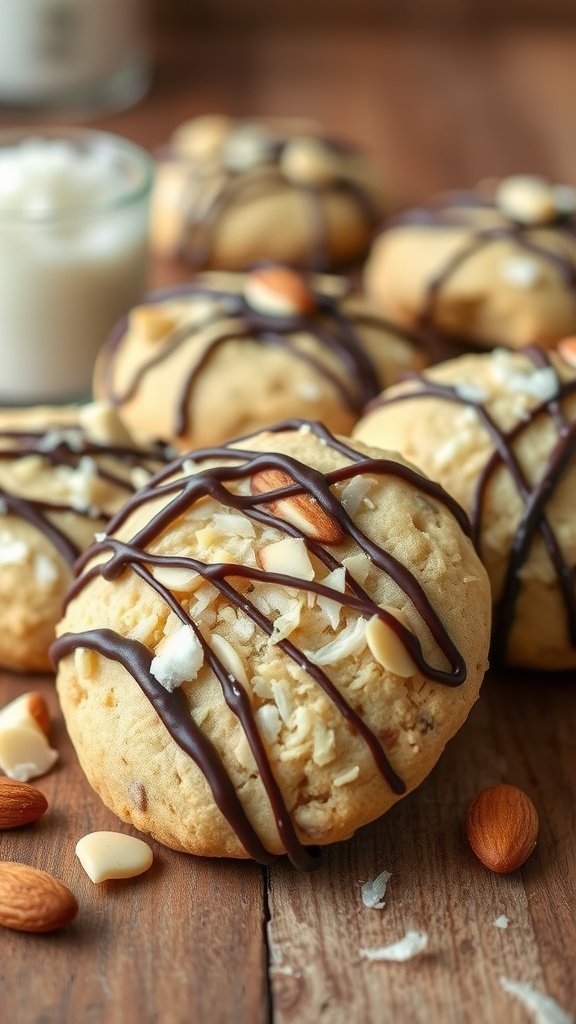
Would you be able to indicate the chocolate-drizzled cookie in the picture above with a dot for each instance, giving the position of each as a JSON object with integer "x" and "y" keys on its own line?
{"x": 230, "y": 353}
{"x": 499, "y": 431}
{"x": 272, "y": 644}
{"x": 63, "y": 472}
{"x": 492, "y": 267}
{"x": 229, "y": 194}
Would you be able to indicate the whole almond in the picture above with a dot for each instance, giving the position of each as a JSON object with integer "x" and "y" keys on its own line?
{"x": 300, "y": 510}
{"x": 502, "y": 827}
{"x": 20, "y": 804}
{"x": 278, "y": 291}
{"x": 32, "y": 900}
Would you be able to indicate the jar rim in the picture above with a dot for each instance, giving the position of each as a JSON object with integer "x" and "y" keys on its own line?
{"x": 82, "y": 138}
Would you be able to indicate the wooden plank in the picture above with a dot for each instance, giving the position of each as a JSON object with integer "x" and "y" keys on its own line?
{"x": 182, "y": 943}
{"x": 318, "y": 923}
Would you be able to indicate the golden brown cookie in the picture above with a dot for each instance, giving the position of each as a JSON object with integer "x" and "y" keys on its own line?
{"x": 63, "y": 472}
{"x": 229, "y": 194}
{"x": 232, "y": 353}
{"x": 498, "y": 430}
{"x": 494, "y": 267}
{"x": 272, "y": 645}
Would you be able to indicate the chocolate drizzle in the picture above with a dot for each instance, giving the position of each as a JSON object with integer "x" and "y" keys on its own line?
{"x": 70, "y": 445}
{"x": 534, "y": 519}
{"x": 225, "y": 481}
{"x": 335, "y": 330}
{"x": 458, "y": 210}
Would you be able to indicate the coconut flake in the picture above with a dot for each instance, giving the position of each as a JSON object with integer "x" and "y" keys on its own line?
{"x": 268, "y": 722}
{"x": 545, "y": 1009}
{"x": 178, "y": 660}
{"x": 351, "y": 640}
{"x": 354, "y": 493}
{"x": 501, "y": 922}
{"x": 12, "y": 551}
{"x": 350, "y": 775}
{"x": 469, "y": 391}
{"x": 411, "y": 945}
{"x": 230, "y": 525}
{"x": 373, "y": 892}
{"x": 45, "y": 570}
{"x": 520, "y": 272}
{"x": 336, "y": 580}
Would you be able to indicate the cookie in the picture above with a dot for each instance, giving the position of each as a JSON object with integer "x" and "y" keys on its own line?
{"x": 490, "y": 268}
{"x": 232, "y": 353}
{"x": 63, "y": 472}
{"x": 272, "y": 644}
{"x": 229, "y": 194}
{"x": 498, "y": 430}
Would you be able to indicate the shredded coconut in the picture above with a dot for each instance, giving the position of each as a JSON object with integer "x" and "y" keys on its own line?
{"x": 350, "y": 775}
{"x": 501, "y": 922}
{"x": 12, "y": 551}
{"x": 179, "y": 659}
{"x": 373, "y": 892}
{"x": 351, "y": 640}
{"x": 545, "y": 1009}
{"x": 45, "y": 570}
{"x": 520, "y": 272}
{"x": 411, "y": 945}
{"x": 469, "y": 391}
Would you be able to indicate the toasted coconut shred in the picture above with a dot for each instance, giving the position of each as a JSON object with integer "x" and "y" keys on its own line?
{"x": 411, "y": 945}
{"x": 545, "y": 1009}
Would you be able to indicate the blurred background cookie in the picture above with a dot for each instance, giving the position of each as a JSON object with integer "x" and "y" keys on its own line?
{"x": 499, "y": 431}
{"x": 229, "y": 194}
{"x": 63, "y": 472}
{"x": 492, "y": 267}
{"x": 272, "y": 645}
{"x": 231, "y": 353}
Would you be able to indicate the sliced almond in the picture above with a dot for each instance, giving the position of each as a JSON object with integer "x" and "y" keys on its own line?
{"x": 526, "y": 199}
{"x": 301, "y": 510}
{"x": 309, "y": 162}
{"x": 278, "y": 291}
{"x": 105, "y": 855}
{"x": 151, "y": 323}
{"x": 30, "y": 709}
{"x": 289, "y": 557}
{"x": 32, "y": 900}
{"x": 177, "y": 579}
{"x": 20, "y": 804}
{"x": 25, "y": 752}
{"x": 386, "y": 646}
{"x": 229, "y": 657}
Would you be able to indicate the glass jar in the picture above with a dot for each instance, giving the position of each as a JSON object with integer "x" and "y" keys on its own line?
{"x": 73, "y": 254}
{"x": 86, "y": 56}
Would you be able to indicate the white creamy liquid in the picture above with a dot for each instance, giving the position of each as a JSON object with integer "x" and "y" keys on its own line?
{"x": 72, "y": 262}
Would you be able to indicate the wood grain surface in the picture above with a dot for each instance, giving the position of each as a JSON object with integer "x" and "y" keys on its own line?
{"x": 228, "y": 943}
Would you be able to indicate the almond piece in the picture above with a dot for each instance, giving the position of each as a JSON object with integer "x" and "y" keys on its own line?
{"x": 20, "y": 804}
{"x": 301, "y": 510}
{"x": 502, "y": 827}
{"x": 526, "y": 199}
{"x": 25, "y": 752}
{"x": 30, "y": 709}
{"x": 278, "y": 291}
{"x": 32, "y": 900}
{"x": 567, "y": 350}
{"x": 105, "y": 855}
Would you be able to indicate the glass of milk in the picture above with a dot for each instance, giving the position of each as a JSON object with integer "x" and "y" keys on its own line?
{"x": 73, "y": 254}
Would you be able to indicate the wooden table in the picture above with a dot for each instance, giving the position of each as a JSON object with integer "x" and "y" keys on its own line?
{"x": 206, "y": 942}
